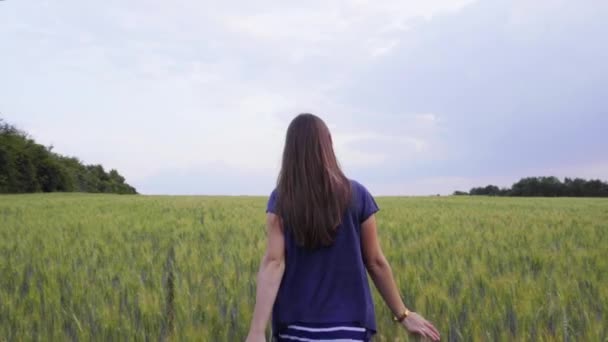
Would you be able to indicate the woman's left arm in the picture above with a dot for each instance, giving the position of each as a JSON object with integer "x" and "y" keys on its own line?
{"x": 269, "y": 278}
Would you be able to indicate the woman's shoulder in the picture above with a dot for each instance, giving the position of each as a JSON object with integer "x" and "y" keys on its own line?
{"x": 357, "y": 186}
{"x": 363, "y": 200}
{"x": 359, "y": 192}
{"x": 271, "y": 206}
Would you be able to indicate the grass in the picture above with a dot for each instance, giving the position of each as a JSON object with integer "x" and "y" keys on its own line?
{"x": 107, "y": 267}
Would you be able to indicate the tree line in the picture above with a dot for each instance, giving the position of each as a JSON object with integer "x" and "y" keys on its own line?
{"x": 26, "y": 166}
{"x": 545, "y": 187}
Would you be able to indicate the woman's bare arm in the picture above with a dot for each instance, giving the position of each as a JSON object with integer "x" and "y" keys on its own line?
{"x": 379, "y": 268}
{"x": 381, "y": 273}
{"x": 269, "y": 278}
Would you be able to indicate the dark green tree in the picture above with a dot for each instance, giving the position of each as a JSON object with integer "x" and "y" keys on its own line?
{"x": 548, "y": 187}
{"x": 26, "y": 166}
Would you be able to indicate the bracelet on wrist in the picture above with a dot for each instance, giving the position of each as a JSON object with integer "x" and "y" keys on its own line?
{"x": 402, "y": 316}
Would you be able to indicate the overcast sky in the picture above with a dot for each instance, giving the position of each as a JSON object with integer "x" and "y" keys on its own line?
{"x": 422, "y": 97}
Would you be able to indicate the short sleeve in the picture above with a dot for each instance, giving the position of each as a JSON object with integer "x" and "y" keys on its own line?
{"x": 272, "y": 203}
{"x": 367, "y": 203}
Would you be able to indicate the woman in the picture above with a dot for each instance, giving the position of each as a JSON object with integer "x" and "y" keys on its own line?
{"x": 321, "y": 240}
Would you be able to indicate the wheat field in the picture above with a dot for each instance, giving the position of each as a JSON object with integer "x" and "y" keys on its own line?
{"x": 79, "y": 267}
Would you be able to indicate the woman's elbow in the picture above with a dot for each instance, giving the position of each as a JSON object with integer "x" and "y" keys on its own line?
{"x": 274, "y": 262}
{"x": 377, "y": 264}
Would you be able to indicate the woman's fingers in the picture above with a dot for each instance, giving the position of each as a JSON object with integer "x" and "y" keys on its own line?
{"x": 430, "y": 326}
{"x": 426, "y": 330}
{"x": 428, "y": 334}
{"x": 423, "y": 331}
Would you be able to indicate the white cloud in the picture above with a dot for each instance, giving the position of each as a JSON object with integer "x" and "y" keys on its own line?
{"x": 342, "y": 24}
{"x": 151, "y": 86}
{"x": 436, "y": 185}
{"x": 384, "y": 48}
{"x": 588, "y": 170}
{"x": 428, "y": 118}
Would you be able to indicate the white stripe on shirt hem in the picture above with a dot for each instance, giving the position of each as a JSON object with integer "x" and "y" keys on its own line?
{"x": 295, "y": 338}
{"x": 297, "y": 327}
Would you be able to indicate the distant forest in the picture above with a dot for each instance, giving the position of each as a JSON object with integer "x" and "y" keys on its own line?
{"x": 26, "y": 166}
{"x": 545, "y": 187}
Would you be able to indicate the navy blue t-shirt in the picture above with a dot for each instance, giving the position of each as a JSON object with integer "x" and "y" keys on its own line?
{"x": 329, "y": 284}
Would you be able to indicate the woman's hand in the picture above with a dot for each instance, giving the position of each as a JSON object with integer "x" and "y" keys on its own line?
{"x": 414, "y": 323}
{"x": 256, "y": 337}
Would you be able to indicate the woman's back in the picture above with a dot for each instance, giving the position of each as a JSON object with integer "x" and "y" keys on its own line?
{"x": 322, "y": 244}
{"x": 327, "y": 284}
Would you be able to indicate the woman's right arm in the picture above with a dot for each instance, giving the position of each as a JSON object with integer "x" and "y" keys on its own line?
{"x": 380, "y": 271}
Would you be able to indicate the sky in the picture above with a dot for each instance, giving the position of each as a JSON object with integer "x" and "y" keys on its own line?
{"x": 421, "y": 97}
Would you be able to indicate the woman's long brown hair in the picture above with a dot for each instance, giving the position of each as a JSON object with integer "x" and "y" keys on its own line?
{"x": 312, "y": 191}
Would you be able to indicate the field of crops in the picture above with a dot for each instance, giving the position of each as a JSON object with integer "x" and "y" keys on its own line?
{"x": 106, "y": 267}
